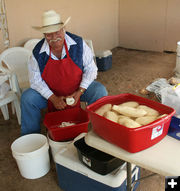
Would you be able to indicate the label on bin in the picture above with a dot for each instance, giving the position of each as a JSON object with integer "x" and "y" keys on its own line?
{"x": 86, "y": 161}
{"x": 157, "y": 131}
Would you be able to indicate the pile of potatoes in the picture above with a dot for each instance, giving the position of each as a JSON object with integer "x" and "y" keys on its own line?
{"x": 130, "y": 114}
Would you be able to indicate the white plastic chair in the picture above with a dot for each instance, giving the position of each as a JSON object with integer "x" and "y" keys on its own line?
{"x": 90, "y": 44}
{"x": 16, "y": 59}
{"x": 10, "y": 97}
{"x": 30, "y": 44}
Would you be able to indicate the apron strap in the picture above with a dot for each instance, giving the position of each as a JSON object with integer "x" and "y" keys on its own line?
{"x": 67, "y": 52}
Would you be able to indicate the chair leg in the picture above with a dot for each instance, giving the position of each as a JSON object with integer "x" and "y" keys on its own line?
{"x": 18, "y": 110}
{"x": 5, "y": 112}
{"x": 13, "y": 108}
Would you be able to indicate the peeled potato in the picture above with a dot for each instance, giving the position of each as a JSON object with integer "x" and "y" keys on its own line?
{"x": 130, "y": 104}
{"x": 129, "y": 111}
{"x": 162, "y": 116}
{"x": 149, "y": 110}
{"x": 103, "y": 109}
{"x": 145, "y": 120}
{"x": 122, "y": 116}
{"x": 70, "y": 100}
{"x": 111, "y": 116}
{"x": 121, "y": 119}
{"x": 128, "y": 122}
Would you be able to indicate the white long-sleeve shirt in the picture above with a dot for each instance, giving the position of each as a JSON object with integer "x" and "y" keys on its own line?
{"x": 89, "y": 72}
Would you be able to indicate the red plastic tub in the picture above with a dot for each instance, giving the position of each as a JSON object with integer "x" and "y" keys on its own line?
{"x": 76, "y": 115}
{"x": 136, "y": 139}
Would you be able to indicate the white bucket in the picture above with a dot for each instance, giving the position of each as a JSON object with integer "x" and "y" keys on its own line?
{"x": 178, "y": 48}
{"x": 57, "y": 146}
{"x": 32, "y": 156}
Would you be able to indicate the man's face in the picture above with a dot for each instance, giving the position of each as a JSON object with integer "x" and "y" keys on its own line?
{"x": 55, "y": 39}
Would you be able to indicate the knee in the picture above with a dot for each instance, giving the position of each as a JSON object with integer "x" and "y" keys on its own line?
{"x": 25, "y": 97}
{"x": 97, "y": 91}
{"x": 101, "y": 90}
{"x": 28, "y": 96}
{"x": 94, "y": 92}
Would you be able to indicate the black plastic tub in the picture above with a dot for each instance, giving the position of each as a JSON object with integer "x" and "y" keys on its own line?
{"x": 96, "y": 160}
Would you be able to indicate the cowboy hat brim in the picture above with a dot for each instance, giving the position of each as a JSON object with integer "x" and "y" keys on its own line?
{"x": 52, "y": 28}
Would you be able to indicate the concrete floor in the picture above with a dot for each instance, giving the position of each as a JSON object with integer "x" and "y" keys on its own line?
{"x": 132, "y": 70}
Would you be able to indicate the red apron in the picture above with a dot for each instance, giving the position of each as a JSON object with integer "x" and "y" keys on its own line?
{"x": 62, "y": 76}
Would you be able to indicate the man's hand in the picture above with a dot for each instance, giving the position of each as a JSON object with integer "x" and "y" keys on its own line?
{"x": 76, "y": 95}
{"x": 58, "y": 101}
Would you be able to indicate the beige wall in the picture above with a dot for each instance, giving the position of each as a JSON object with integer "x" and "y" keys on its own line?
{"x": 149, "y": 24}
{"x": 138, "y": 24}
{"x": 142, "y": 24}
{"x": 91, "y": 19}
{"x": 172, "y": 25}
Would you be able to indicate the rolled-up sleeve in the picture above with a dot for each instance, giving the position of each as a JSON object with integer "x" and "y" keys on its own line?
{"x": 36, "y": 81}
{"x": 90, "y": 68}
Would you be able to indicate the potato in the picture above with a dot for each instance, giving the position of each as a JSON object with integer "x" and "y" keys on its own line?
{"x": 111, "y": 116}
{"x": 144, "y": 91}
{"x": 129, "y": 111}
{"x": 149, "y": 110}
{"x": 122, "y": 116}
{"x": 130, "y": 104}
{"x": 103, "y": 109}
{"x": 70, "y": 100}
{"x": 163, "y": 115}
{"x": 121, "y": 119}
{"x": 126, "y": 121}
{"x": 145, "y": 119}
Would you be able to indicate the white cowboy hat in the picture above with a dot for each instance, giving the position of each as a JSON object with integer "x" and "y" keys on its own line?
{"x": 51, "y": 22}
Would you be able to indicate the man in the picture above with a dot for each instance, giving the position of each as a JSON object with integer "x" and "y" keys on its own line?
{"x": 61, "y": 66}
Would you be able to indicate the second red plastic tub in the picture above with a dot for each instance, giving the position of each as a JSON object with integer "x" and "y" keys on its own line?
{"x": 53, "y": 120}
{"x": 131, "y": 140}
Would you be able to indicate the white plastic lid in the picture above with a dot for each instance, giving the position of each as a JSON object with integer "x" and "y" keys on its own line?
{"x": 103, "y": 53}
{"x": 69, "y": 159}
